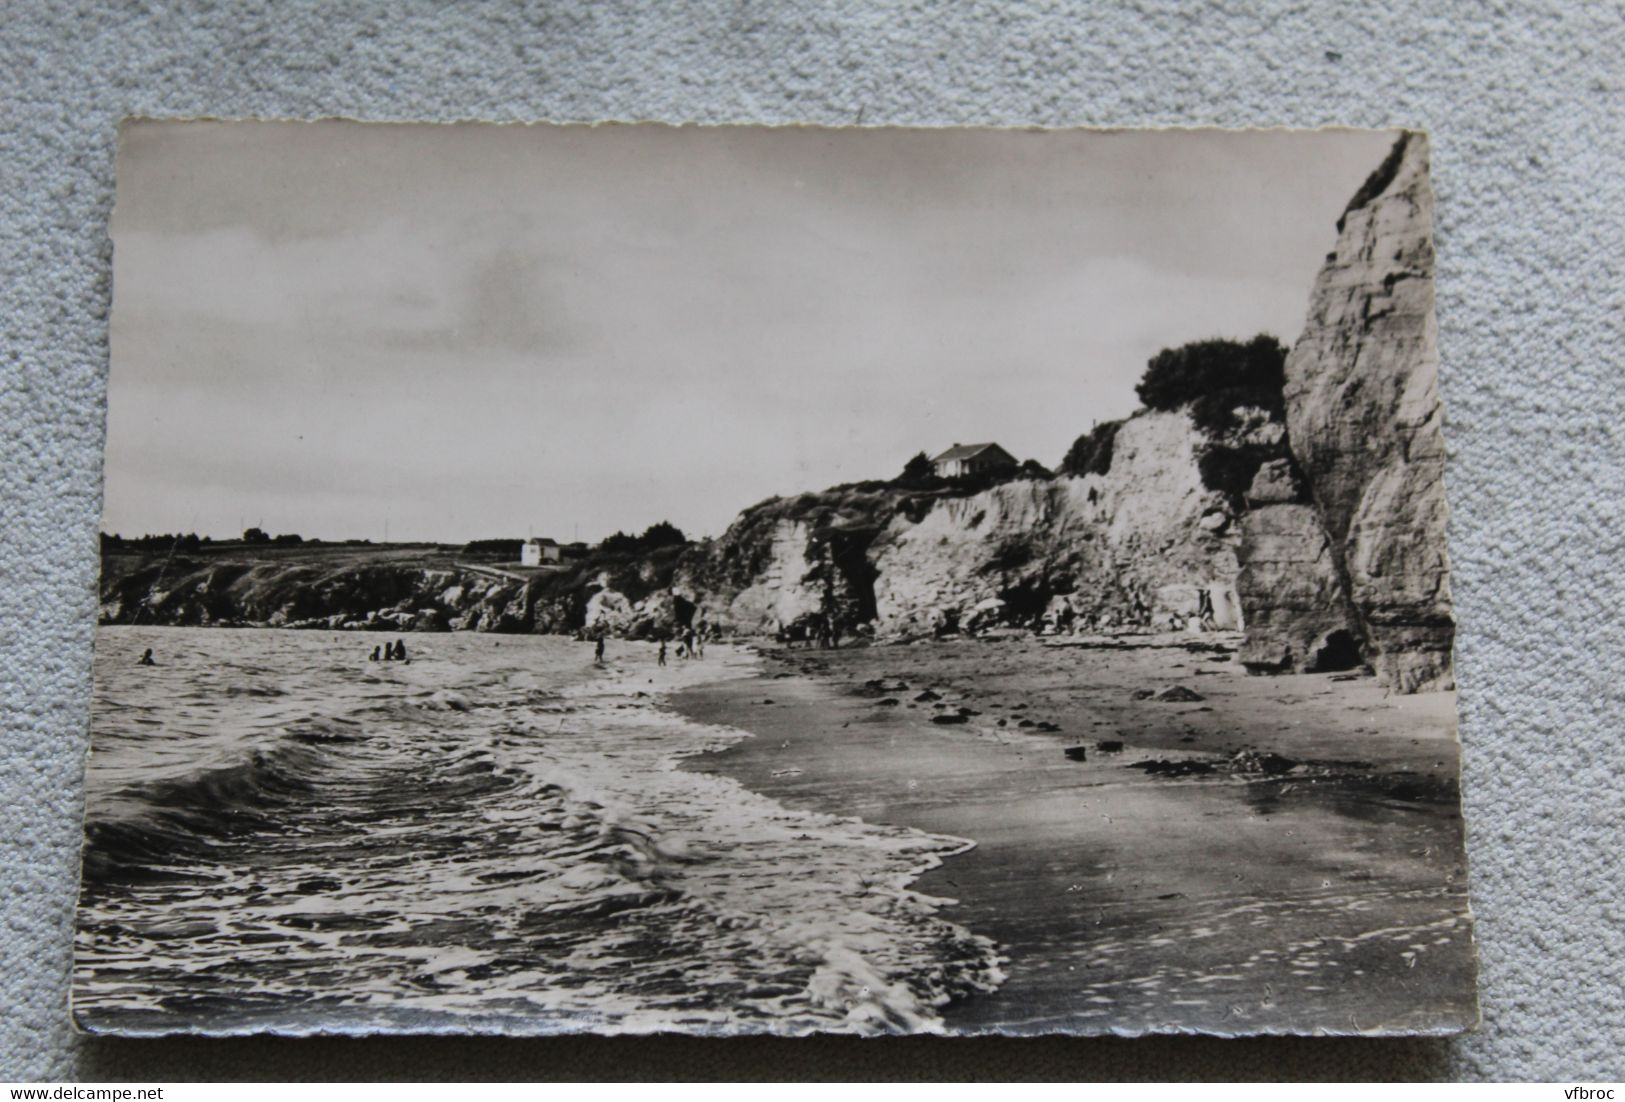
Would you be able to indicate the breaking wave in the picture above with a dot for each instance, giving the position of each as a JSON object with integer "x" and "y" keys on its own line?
{"x": 490, "y": 838}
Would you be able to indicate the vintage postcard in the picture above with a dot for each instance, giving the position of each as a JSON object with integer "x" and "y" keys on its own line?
{"x": 635, "y": 578}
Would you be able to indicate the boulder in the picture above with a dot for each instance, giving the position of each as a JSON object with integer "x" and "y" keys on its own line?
{"x": 608, "y": 610}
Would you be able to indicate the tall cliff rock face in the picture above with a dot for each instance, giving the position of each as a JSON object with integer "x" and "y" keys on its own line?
{"x": 786, "y": 561}
{"x": 783, "y": 584}
{"x": 1135, "y": 545}
{"x": 1363, "y": 424}
{"x": 1298, "y": 615}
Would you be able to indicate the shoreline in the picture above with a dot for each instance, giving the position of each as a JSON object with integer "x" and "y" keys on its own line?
{"x": 650, "y": 898}
{"x": 1305, "y": 841}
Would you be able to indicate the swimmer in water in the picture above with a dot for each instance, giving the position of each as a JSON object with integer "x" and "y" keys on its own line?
{"x": 146, "y": 658}
{"x": 400, "y": 651}
{"x": 373, "y": 657}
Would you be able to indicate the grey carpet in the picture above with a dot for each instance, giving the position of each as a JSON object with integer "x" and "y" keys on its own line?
{"x": 1525, "y": 107}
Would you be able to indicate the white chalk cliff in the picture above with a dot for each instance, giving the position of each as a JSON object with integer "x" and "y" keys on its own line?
{"x": 1363, "y": 424}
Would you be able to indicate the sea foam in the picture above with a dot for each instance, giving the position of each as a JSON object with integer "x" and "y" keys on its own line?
{"x": 494, "y": 837}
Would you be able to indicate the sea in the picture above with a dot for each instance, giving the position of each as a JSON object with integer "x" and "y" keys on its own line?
{"x": 496, "y": 836}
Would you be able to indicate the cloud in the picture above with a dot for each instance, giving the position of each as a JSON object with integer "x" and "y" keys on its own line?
{"x": 482, "y": 330}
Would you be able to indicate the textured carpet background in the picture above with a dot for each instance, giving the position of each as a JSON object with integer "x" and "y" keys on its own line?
{"x": 1525, "y": 108}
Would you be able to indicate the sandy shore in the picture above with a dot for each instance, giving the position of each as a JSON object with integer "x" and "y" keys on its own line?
{"x": 1163, "y": 886}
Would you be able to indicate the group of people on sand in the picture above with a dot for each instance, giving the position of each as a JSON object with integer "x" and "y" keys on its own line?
{"x": 821, "y": 630}
{"x": 690, "y": 644}
{"x": 390, "y": 652}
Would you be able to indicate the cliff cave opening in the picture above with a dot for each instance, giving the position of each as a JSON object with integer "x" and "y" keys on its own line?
{"x": 848, "y": 554}
{"x": 1338, "y": 651}
{"x": 1025, "y": 602}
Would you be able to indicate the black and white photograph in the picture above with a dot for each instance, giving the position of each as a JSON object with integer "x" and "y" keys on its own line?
{"x": 633, "y": 578}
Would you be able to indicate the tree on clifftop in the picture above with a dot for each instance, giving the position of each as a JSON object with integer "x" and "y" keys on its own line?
{"x": 661, "y": 534}
{"x": 918, "y": 469}
{"x": 1215, "y": 377}
{"x": 1091, "y": 453}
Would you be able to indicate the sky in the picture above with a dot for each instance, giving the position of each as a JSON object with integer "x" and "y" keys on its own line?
{"x": 446, "y": 333}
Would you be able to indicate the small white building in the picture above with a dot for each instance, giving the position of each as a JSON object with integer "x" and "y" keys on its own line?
{"x": 965, "y": 459}
{"x": 540, "y": 552}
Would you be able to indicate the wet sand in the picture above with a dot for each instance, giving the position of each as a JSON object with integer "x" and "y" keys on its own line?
{"x": 1322, "y": 890}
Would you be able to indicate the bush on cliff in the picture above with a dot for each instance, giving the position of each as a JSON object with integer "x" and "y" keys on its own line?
{"x": 1214, "y": 378}
{"x": 917, "y": 471}
{"x": 661, "y": 534}
{"x": 1091, "y": 453}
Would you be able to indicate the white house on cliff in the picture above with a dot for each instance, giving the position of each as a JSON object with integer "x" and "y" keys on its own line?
{"x": 540, "y": 552}
{"x": 964, "y": 459}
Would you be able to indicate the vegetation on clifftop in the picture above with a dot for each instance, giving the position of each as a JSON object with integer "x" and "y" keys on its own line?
{"x": 1091, "y": 453}
{"x": 1214, "y": 378}
{"x": 1229, "y": 388}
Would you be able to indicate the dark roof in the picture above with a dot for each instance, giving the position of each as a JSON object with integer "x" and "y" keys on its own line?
{"x": 543, "y": 540}
{"x": 967, "y": 451}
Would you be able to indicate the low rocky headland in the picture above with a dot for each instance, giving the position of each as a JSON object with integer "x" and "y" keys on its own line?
{"x": 1310, "y": 518}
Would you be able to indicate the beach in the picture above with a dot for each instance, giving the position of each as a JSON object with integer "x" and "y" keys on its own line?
{"x": 1017, "y": 835}
{"x": 1261, "y": 854}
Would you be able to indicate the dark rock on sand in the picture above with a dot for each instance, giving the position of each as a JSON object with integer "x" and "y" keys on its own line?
{"x": 927, "y": 697}
{"x": 1179, "y": 694}
{"x": 1077, "y": 753}
{"x": 950, "y": 717}
{"x": 1110, "y": 746}
{"x": 1164, "y": 768}
{"x": 887, "y": 702}
{"x": 1252, "y": 761}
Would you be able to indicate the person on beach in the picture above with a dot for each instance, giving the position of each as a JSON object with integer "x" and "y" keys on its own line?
{"x": 688, "y": 641}
{"x": 1204, "y": 610}
{"x": 598, "y": 652}
{"x": 699, "y": 642}
{"x": 661, "y": 657}
{"x": 146, "y": 658}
